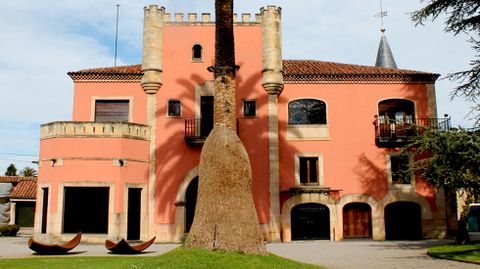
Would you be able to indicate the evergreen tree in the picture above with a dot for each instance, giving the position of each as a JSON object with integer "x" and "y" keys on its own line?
{"x": 11, "y": 170}
{"x": 450, "y": 159}
{"x": 461, "y": 17}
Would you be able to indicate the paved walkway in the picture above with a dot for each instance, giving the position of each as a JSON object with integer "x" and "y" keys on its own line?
{"x": 367, "y": 254}
{"x": 334, "y": 255}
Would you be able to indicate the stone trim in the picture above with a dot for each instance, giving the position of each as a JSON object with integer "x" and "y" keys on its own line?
{"x": 143, "y": 211}
{"x": 56, "y": 233}
{"x": 286, "y": 218}
{"x": 179, "y": 234}
{"x": 377, "y": 214}
{"x": 76, "y": 129}
{"x": 432, "y": 100}
{"x": 320, "y": 174}
{"x": 205, "y": 89}
{"x": 407, "y": 187}
{"x": 113, "y": 97}
{"x": 392, "y": 197}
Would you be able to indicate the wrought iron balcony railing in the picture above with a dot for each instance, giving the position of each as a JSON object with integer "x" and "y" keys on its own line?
{"x": 401, "y": 131}
{"x": 197, "y": 130}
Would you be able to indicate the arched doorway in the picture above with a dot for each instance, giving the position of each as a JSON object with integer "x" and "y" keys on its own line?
{"x": 357, "y": 220}
{"x": 403, "y": 221}
{"x": 190, "y": 203}
{"x": 310, "y": 221}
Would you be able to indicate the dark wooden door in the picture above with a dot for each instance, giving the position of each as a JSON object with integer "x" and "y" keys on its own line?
{"x": 357, "y": 220}
{"x": 310, "y": 222}
{"x": 133, "y": 217}
{"x": 44, "y": 210}
{"x": 206, "y": 111}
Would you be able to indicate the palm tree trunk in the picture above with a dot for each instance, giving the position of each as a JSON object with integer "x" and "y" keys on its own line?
{"x": 225, "y": 215}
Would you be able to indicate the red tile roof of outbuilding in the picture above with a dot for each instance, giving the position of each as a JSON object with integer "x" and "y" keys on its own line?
{"x": 23, "y": 187}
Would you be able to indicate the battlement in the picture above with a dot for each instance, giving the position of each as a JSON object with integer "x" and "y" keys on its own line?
{"x": 271, "y": 8}
{"x": 206, "y": 18}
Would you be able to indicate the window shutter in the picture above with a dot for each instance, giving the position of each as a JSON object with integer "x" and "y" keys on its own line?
{"x": 111, "y": 110}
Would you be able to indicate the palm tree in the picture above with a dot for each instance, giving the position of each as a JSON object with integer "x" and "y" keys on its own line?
{"x": 28, "y": 172}
{"x": 225, "y": 215}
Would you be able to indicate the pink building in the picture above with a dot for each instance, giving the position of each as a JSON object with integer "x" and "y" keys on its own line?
{"x": 322, "y": 138}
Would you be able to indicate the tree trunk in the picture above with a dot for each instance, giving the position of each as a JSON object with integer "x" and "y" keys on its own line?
{"x": 225, "y": 215}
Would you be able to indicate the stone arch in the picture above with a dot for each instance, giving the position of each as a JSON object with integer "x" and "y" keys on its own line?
{"x": 305, "y": 198}
{"x": 392, "y": 197}
{"x": 377, "y": 213}
{"x": 180, "y": 203}
{"x": 406, "y": 197}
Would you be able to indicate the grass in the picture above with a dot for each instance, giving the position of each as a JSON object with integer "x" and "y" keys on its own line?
{"x": 464, "y": 253}
{"x": 177, "y": 258}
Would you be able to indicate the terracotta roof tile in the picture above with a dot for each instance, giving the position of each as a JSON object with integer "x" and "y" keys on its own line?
{"x": 309, "y": 71}
{"x": 25, "y": 189}
{"x": 295, "y": 71}
{"x": 14, "y": 179}
{"x": 127, "y": 73}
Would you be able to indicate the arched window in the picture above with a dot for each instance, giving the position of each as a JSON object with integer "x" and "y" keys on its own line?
{"x": 398, "y": 110}
{"x": 307, "y": 111}
{"x": 197, "y": 51}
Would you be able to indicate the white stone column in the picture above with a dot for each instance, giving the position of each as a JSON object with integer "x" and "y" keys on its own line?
{"x": 151, "y": 83}
{"x": 272, "y": 82}
{"x": 13, "y": 212}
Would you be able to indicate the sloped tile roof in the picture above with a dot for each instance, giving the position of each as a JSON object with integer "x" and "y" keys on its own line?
{"x": 25, "y": 189}
{"x": 295, "y": 71}
{"x": 128, "y": 73}
{"x": 14, "y": 179}
{"x": 309, "y": 71}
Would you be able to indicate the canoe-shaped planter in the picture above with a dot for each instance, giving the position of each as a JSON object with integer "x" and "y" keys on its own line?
{"x": 123, "y": 247}
{"x": 54, "y": 249}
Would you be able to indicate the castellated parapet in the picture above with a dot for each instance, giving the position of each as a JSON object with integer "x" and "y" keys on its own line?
{"x": 152, "y": 48}
{"x": 272, "y": 67}
{"x": 205, "y": 18}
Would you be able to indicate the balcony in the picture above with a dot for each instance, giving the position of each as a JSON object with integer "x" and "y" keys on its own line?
{"x": 197, "y": 130}
{"x": 94, "y": 129}
{"x": 393, "y": 133}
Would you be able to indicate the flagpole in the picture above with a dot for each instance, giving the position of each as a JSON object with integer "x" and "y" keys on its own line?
{"x": 116, "y": 36}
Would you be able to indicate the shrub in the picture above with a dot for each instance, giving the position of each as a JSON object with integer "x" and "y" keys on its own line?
{"x": 9, "y": 230}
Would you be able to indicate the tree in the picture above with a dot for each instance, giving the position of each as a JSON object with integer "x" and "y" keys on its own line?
{"x": 28, "y": 172}
{"x": 450, "y": 159}
{"x": 461, "y": 17}
{"x": 225, "y": 214}
{"x": 11, "y": 170}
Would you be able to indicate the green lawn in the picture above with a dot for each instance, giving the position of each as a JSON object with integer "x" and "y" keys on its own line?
{"x": 465, "y": 253}
{"x": 177, "y": 258}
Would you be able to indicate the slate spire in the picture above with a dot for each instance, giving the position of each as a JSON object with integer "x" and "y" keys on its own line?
{"x": 384, "y": 55}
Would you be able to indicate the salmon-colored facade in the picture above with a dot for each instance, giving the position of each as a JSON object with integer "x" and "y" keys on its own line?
{"x": 319, "y": 135}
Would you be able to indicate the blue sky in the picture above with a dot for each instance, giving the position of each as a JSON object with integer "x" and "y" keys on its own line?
{"x": 42, "y": 40}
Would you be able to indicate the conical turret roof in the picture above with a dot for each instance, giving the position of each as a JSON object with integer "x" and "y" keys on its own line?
{"x": 384, "y": 55}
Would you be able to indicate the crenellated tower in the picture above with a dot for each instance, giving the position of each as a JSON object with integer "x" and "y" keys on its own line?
{"x": 154, "y": 19}
{"x": 272, "y": 82}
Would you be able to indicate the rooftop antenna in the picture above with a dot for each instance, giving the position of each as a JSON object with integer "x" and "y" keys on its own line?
{"x": 381, "y": 14}
{"x": 116, "y": 36}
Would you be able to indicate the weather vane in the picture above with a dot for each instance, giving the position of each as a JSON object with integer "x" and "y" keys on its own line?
{"x": 381, "y": 14}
